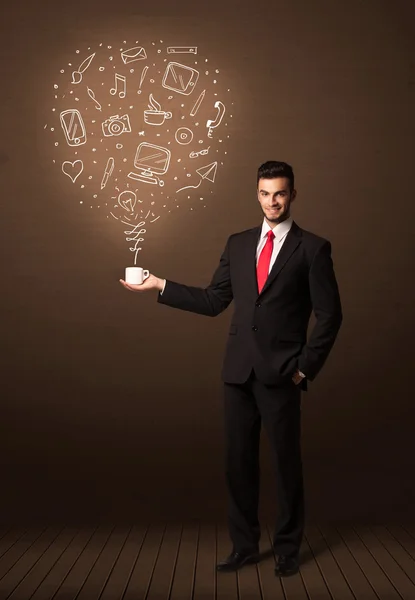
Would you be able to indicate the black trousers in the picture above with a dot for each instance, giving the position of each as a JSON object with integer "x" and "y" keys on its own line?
{"x": 246, "y": 407}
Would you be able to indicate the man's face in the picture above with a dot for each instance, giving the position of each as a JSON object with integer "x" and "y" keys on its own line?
{"x": 275, "y": 198}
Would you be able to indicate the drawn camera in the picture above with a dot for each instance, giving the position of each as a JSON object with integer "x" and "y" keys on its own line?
{"x": 116, "y": 125}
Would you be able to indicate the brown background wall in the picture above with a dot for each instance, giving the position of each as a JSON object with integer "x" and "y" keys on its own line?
{"x": 111, "y": 404}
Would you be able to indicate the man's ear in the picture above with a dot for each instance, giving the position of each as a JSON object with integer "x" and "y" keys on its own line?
{"x": 293, "y": 195}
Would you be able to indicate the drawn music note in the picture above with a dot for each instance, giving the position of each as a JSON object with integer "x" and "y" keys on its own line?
{"x": 118, "y": 79}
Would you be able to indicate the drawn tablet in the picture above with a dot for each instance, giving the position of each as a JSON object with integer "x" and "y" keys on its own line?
{"x": 73, "y": 127}
{"x": 180, "y": 78}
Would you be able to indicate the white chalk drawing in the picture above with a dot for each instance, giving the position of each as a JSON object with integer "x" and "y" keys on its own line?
{"x": 73, "y": 127}
{"x": 180, "y": 78}
{"x": 127, "y": 200}
{"x": 184, "y": 135}
{"x": 137, "y": 239}
{"x": 91, "y": 94}
{"x": 200, "y": 153}
{"x": 151, "y": 161}
{"x": 77, "y": 75}
{"x": 180, "y": 130}
{"x": 155, "y": 116}
{"x": 213, "y": 123}
{"x": 73, "y": 169}
{"x": 122, "y": 81}
{"x": 197, "y": 104}
{"x": 107, "y": 172}
{"x": 116, "y": 125}
{"x": 182, "y": 50}
{"x": 208, "y": 172}
{"x": 143, "y": 76}
{"x": 133, "y": 54}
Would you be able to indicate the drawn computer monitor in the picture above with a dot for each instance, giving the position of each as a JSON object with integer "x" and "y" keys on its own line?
{"x": 151, "y": 162}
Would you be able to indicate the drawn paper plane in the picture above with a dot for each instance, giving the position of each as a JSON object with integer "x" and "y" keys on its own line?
{"x": 208, "y": 172}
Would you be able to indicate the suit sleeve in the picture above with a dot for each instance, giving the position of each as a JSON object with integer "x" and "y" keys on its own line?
{"x": 209, "y": 301}
{"x": 325, "y": 299}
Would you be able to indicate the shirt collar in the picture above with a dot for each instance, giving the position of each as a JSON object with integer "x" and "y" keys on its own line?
{"x": 279, "y": 230}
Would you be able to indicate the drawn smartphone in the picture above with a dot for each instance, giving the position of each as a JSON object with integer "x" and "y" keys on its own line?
{"x": 180, "y": 78}
{"x": 73, "y": 127}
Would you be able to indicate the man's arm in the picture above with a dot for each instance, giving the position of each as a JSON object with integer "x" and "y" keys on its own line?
{"x": 327, "y": 309}
{"x": 209, "y": 301}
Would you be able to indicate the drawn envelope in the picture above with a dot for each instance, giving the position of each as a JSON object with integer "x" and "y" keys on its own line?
{"x": 137, "y": 53}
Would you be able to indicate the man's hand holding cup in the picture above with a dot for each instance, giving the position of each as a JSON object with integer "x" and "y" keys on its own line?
{"x": 140, "y": 280}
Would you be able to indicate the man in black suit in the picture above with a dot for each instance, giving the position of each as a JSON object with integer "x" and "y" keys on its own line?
{"x": 277, "y": 273}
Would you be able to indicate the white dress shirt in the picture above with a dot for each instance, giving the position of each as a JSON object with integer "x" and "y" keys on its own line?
{"x": 280, "y": 232}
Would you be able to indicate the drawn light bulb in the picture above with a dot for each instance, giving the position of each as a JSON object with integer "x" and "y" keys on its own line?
{"x": 127, "y": 200}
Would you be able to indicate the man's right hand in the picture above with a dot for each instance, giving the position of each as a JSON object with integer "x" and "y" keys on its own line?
{"x": 151, "y": 283}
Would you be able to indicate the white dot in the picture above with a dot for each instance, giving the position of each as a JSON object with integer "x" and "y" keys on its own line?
{"x": 56, "y": 86}
{"x": 95, "y": 195}
{"x": 131, "y": 70}
{"x": 217, "y": 71}
{"x": 102, "y": 69}
{"x": 111, "y": 57}
{"x": 82, "y": 186}
{"x": 62, "y": 71}
{"x": 52, "y": 129}
{"x": 77, "y": 51}
{"x": 56, "y": 143}
{"x": 81, "y": 202}
{"x": 90, "y": 177}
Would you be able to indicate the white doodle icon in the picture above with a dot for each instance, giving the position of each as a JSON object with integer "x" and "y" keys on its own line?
{"x": 200, "y": 153}
{"x": 122, "y": 81}
{"x": 180, "y": 78}
{"x": 184, "y": 135}
{"x": 182, "y": 50}
{"x": 107, "y": 172}
{"x": 73, "y": 169}
{"x": 116, "y": 125}
{"x": 213, "y": 123}
{"x": 197, "y": 104}
{"x": 151, "y": 161}
{"x": 155, "y": 116}
{"x": 208, "y": 172}
{"x": 73, "y": 127}
{"x": 127, "y": 200}
{"x": 77, "y": 75}
{"x": 143, "y": 75}
{"x": 91, "y": 94}
{"x": 133, "y": 54}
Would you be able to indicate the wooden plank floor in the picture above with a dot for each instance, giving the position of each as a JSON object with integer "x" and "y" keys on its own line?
{"x": 174, "y": 561}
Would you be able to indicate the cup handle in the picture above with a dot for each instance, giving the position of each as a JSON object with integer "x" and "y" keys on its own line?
{"x": 168, "y": 115}
{"x": 145, "y": 274}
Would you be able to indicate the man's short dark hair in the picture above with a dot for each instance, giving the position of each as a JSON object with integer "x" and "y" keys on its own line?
{"x": 274, "y": 168}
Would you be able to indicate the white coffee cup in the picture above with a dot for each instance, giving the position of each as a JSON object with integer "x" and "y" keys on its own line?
{"x": 136, "y": 275}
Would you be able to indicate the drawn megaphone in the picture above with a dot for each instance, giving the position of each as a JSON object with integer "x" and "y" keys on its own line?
{"x": 213, "y": 123}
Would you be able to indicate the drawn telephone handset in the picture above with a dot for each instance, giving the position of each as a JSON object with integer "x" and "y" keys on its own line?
{"x": 213, "y": 123}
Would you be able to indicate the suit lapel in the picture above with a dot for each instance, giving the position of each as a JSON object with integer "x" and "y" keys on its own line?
{"x": 290, "y": 244}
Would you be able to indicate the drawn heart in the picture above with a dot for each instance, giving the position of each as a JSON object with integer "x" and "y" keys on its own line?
{"x": 73, "y": 169}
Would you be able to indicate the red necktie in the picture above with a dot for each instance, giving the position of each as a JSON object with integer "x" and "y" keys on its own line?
{"x": 264, "y": 260}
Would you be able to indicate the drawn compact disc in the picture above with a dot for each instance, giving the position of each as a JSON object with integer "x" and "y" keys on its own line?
{"x": 184, "y": 135}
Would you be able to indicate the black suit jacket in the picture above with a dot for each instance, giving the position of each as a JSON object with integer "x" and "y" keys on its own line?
{"x": 268, "y": 331}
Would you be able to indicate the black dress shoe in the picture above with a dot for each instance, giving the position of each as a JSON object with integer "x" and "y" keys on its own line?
{"x": 286, "y": 565}
{"x": 236, "y": 560}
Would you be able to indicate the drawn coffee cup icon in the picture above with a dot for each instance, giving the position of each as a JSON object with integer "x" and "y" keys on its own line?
{"x": 155, "y": 116}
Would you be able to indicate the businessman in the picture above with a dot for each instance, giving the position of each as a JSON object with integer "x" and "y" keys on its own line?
{"x": 277, "y": 273}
